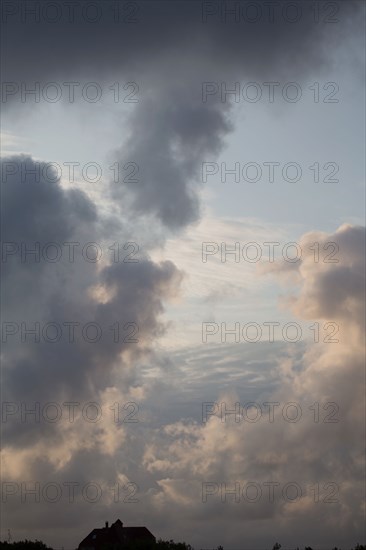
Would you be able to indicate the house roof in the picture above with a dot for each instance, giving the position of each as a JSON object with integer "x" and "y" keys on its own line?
{"x": 116, "y": 534}
{"x": 137, "y": 532}
{"x": 100, "y": 537}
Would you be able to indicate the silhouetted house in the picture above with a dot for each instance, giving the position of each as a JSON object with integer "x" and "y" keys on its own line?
{"x": 117, "y": 537}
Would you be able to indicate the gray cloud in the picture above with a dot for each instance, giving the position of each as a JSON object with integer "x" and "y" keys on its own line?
{"x": 170, "y": 134}
{"x": 170, "y": 52}
{"x": 45, "y": 292}
{"x": 187, "y": 453}
{"x": 163, "y": 31}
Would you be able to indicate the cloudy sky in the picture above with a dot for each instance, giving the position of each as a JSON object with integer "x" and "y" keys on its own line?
{"x": 183, "y": 320}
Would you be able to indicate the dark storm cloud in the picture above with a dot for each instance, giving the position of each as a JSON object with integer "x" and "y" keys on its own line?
{"x": 171, "y": 48}
{"x": 37, "y": 207}
{"x": 195, "y": 30}
{"x": 46, "y": 292}
{"x": 170, "y": 134}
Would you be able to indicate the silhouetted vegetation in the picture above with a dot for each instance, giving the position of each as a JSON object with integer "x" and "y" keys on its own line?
{"x": 171, "y": 545}
{"x": 24, "y": 545}
{"x": 159, "y": 545}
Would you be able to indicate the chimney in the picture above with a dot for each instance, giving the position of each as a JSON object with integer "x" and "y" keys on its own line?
{"x": 118, "y": 523}
{"x": 106, "y": 524}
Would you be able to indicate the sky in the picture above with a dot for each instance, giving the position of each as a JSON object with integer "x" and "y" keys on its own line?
{"x": 183, "y": 240}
